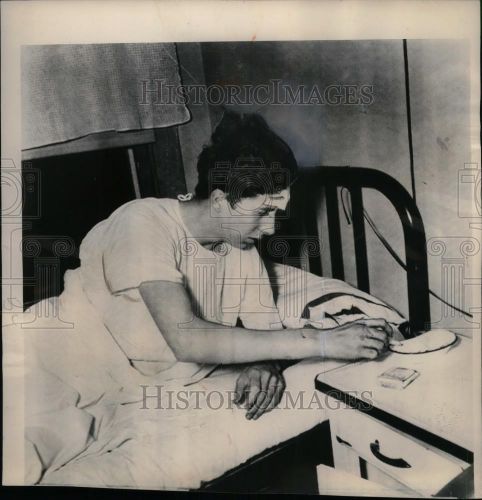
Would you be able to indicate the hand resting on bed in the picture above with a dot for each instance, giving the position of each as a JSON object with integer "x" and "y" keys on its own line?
{"x": 260, "y": 388}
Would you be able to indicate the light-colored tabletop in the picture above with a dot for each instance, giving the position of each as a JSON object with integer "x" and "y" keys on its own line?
{"x": 438, "y": 401}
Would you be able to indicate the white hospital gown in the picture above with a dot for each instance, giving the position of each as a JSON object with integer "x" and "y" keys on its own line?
{"x": 146, "y": 240}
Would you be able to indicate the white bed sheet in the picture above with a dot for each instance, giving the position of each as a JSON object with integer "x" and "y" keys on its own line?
{"x": 180, "y": 448}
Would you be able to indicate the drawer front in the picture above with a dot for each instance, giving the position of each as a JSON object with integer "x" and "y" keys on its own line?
{"x": 424, "y": 469}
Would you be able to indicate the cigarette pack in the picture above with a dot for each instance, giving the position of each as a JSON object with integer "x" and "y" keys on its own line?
{"x": 398, "y": 377}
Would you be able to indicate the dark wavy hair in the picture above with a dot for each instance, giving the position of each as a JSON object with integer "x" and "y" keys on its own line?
{"x": 245, "y": 158}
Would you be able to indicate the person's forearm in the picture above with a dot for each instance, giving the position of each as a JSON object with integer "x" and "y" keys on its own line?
{"x": 205, "y": 342}
{"x": 193, "y": 339}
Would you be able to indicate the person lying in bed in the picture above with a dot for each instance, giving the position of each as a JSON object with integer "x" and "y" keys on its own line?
{"x": 175, "y": 253}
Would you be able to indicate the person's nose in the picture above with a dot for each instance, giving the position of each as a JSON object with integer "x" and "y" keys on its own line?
{"x": 267, "y": 225}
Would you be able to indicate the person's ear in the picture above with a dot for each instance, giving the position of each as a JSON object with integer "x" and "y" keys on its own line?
{"x": 218, "y": 198}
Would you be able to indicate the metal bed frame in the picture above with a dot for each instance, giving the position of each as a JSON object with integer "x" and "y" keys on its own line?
{"x": 355, "y": 179}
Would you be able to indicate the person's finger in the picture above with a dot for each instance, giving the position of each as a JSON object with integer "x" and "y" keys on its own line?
{"x": 376, "y": 344}
{"x": 378, "y": 335}
{"x": 254, "y": 389}
{"x": 239, "y": 388}
{"x": 261, "y": 397}
{"x": 379, "y": 323}
{"x": 261, "y": 379}
{"x": 264, "y": 380}
{"x": 368, "y": 353}
{"x": 242, "y": 385}
{"x": 280, "y": 388}
{"x": 269, "y": 395}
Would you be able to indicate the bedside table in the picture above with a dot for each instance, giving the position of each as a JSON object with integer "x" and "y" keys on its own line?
{"x": 416, "y": 440}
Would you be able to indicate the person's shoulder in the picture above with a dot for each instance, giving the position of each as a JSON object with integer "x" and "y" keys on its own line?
{"x": 157, "y": 207}
{"x": 157, "y": 214}
{"x": 140, "y": 217}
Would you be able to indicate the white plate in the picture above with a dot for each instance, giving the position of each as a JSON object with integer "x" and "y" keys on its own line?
{"x": 430, "y": 341}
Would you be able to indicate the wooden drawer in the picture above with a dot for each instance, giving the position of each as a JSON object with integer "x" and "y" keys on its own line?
{"x": 409, "y": 461}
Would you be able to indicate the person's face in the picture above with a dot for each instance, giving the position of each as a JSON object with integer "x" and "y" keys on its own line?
{"x": 253, "y": 217}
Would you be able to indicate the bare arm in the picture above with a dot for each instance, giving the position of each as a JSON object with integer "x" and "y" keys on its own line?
{"x": 193, "y": 339}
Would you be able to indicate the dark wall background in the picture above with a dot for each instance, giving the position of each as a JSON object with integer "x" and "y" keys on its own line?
{"x": 73, "y": 192}
{"x": 77, "y": 191}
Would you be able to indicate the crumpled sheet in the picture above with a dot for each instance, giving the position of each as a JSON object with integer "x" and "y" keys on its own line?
{"x": 84, "y": 421}
{"x": 161, "y": 448}
{"x": 306, "y": 299}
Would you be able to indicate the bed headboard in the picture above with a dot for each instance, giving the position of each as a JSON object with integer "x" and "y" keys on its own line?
{"x": 317, "y": 183}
